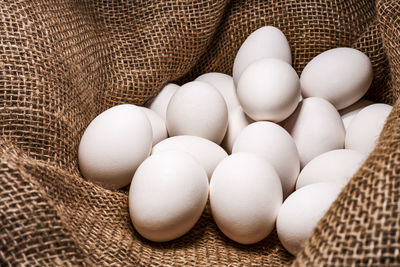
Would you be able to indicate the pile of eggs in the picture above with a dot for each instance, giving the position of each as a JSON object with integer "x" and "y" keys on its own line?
{"x": 267, "y": 148}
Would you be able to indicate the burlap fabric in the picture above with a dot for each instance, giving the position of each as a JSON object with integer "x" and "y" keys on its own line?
{"x": 63, "y": 62}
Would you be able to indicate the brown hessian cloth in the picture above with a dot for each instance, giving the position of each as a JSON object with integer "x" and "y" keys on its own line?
{"x": 64, "y": 62}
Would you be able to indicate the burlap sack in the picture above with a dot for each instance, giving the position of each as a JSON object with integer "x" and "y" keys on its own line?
{"x": 63, "y": 62}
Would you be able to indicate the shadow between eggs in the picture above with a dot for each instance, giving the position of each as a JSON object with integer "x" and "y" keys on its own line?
{"x": 206, "y": 233}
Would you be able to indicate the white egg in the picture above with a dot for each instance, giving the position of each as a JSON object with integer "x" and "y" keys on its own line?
{"x": 167, "y": 195}
{"x": 159, "y": 103}
{"x": 350, "y": 112}
{"x": 340, "y": 75}
{"x": 245, "y": 196}
{"x": 269, "y": 89}
{"x": 237, "y": 120}
{"x": 197, "y": 108}
{"x": 336, "y": 166}
{"x": 113, "y": 146}
{"x": 274, "y": 143}
{"x": 301, "y": 212}
{"x": 157, "y": 125}
{"x": 316, "y": 128}
{"x": 266, "y": 42}
{"x": 207, "y": 153}
{"x": 224, "y": 84}
{"x": 365, "y": 128}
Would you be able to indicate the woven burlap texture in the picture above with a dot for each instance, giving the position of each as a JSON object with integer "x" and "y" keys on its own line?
{"x": 63, "y": 62}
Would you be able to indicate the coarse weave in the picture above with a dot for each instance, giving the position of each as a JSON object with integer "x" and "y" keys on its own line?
{"x": 62, "y": 62}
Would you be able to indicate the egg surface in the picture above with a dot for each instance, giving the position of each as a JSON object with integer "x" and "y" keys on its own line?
{"x": 340, "y": 75}
{"x": 207, "y": 153}
{"x": 275, "y": 144}
{"x": 197, "y": 108}
{"x": 160, "y": 102}
{"x": 269, "y": 89}
{"x": 301, "y": 212}
{"x": 237, "y": 120}
{"x": 365, "y": 128}
{"x": 224, "y": 84}
{"x": 167, "y": 196}
{"x": 316, "y": 128}
{"x": 245, "y": 196}
{"x": 335, "y": 166}
{"x": 158, "y": 126}
{"x": 265, "y": 42}
{"x": 351, "y": 111}
{"x": 114, "y": 144}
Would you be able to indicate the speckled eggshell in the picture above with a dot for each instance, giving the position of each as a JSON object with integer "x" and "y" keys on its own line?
{"x": 265, "y": 42}
{"x": 316, "y": 127}
{"x": 245, "y": 196}
{"x": 301, "y": 212}
{"x": 340, "y": 75}
{"x": 113, "y": 146}
{"x": 167, "y": 195}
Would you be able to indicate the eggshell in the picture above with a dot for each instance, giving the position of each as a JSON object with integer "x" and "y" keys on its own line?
{"x": 336, "y": 166}
{"x": 113, "y": 146}
{"x": 316, "y": 127}
{"x": 197, "y": 108}
{"x": 340, "y": 75}
{"x": 274, "y": 143}
{"x": 224, "y": 84}
{"x": 269, "y": 89}
{"x": 364, "y": 130}
{"x": 301, "y": 212}
{"x": 237, "y": 120}
{"x": 245, "y": 196}
{"x": 350, "y": 112}
{"x": 157, "y": 125}
{"x": 207, "y": 153}
{"x": 167, "y": 195}
{"x": 160, "y": 103}
{"x": 266, "y": 42}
